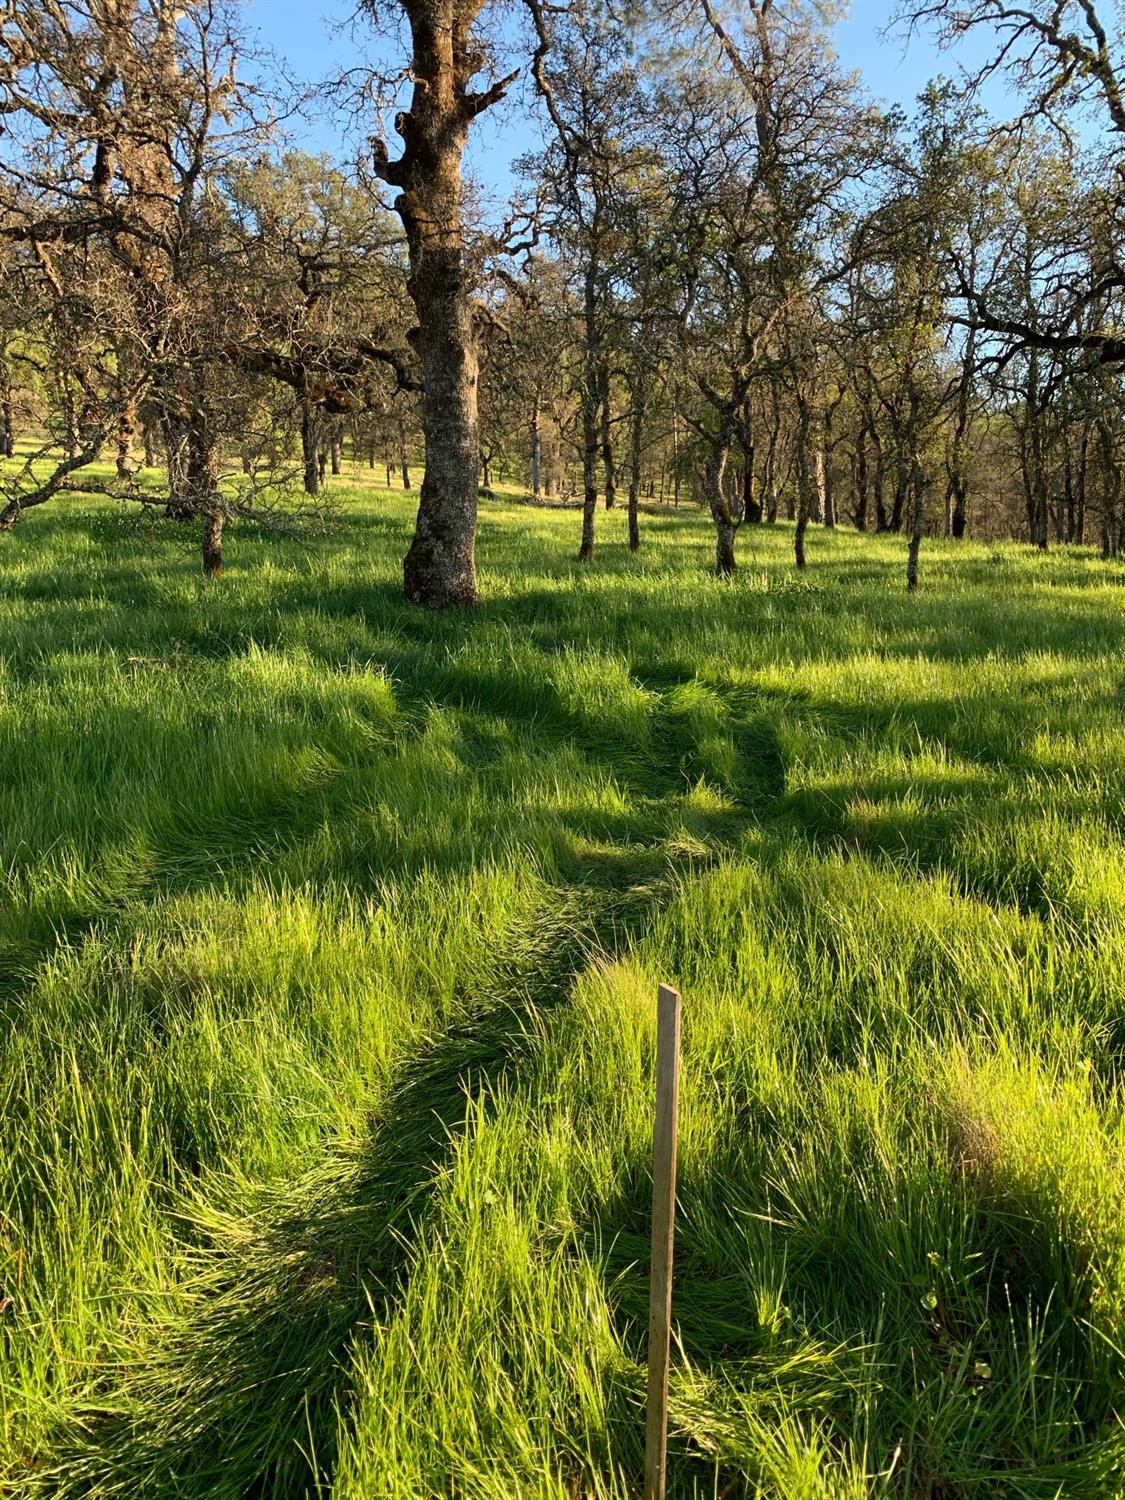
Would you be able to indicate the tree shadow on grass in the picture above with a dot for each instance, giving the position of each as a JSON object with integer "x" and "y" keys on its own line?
{"x": 818, "y": 1319}
{"x": 241, "y": 1389}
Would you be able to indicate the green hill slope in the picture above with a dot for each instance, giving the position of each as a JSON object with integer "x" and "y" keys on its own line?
{"x": 329, "y": 937}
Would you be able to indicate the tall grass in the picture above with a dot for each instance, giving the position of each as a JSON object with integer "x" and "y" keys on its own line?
{"x": 329, "y": 935}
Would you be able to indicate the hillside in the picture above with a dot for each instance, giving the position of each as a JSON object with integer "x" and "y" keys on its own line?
{"x": 330, "y": 935}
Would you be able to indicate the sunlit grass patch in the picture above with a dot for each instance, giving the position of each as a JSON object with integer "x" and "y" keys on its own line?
{"x": 329, "y": 931}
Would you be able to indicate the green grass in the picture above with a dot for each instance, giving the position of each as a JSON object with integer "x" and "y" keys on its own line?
{"x": 329, "y": 936}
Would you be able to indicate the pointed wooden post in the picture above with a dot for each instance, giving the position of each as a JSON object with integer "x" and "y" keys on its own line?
{"x": 663, "y": 1233}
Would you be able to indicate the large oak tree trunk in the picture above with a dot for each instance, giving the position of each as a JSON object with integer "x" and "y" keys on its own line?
{"x": 439, "y": 570}
{"x": 203, "y": 465}
{"x": 714, "y": 474}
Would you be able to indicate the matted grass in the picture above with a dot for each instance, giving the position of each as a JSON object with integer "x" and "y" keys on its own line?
{"x": 330, "y": 935}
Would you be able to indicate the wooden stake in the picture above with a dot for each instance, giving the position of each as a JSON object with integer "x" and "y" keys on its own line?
{"x": 663, "y": 1233}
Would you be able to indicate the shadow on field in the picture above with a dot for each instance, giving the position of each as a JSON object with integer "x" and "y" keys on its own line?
{"x": 242, "y": 1391}
{"x": 261, "y": 1342}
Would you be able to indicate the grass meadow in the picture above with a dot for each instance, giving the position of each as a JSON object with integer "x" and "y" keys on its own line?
{"x": 329, "y": 938}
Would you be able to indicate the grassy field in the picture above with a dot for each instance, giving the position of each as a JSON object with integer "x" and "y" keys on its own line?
{"x": 330, "y": 935}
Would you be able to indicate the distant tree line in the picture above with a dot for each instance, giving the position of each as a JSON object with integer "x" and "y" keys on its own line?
{"x": 733, "y": 278}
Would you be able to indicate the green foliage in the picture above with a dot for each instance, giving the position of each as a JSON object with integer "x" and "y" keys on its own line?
{"x": 330, "y": 932}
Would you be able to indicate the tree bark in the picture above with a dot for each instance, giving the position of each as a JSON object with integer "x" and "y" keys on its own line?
{"x": 609, "y": 464}
{"x": 902, "y": 489}
{"x": 180, "y": 506}
{"x": 591, "y": 396}
{"x": 126, "y": 435}
{"x": 636, "y": 440}
{"x": 310, "y": 450}
{"x": 879, "y": 478}
{"x": 536, "y": 451}
{"x": 861, "y": 478}
{"x": 714, "y": 477}
{"x": 439, "y": 570}
{"x": 7, "y": 417}
{"x": 213, "y": 543}
{"x": 827, "y": 478}
{"x": 751, "y": 506}
{"x": 919, "y": 488}
{"x": 957, "y": 495}
{"x": 805, "y": 481}
{"x": 203, "y": 464}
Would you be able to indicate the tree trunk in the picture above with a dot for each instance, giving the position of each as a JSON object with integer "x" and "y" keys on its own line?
{"x": 126, "y": 435}
{"x": 203, "y": 464}
{"x": 902, "y": 488}
{"x": 1083, "y": 475}
{"x": 751, "y": 506}
{"x": 439, "y": 570}
{"x": 608, "y": 462}
{"x": 805, "y": 481}
{"x": 675, "y": 460}
{"x": 919, "y": 488}
{"x": 957, "y": 494}
{"x": 828, "y": 490}
{"x": 310, "y": 449}
{"x": 726, "y": 530}
{"x": 73, "y": 436}
{"x": 591, "y": 397}
{"x": 180, "y": 505}
{"x": 769, "y": 473}
{"x": 958, "y": 514}
{"x": 1111, "y": 480}
{"x": 827, "y": 477}
{"x": 536, "y": 451}
{"x": 7, "y": 416}
{"x": 403, "y": 459}
{"x": 878, "y": 479}
{"x": 336, "y": 451}
{"x": 714, "y": 488}
{"x": 636, "y": 442}
{"x": 861, "y": 478}
{"x": 213, "y": 543}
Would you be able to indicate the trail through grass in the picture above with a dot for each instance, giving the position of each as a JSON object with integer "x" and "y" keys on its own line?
{"x": 329, "y": 937}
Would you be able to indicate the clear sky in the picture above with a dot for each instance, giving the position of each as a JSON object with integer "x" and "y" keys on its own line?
{"x": 312, "y": 36}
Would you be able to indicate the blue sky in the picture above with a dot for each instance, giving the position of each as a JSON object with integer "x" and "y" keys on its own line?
{"x": 306, "y": 33}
